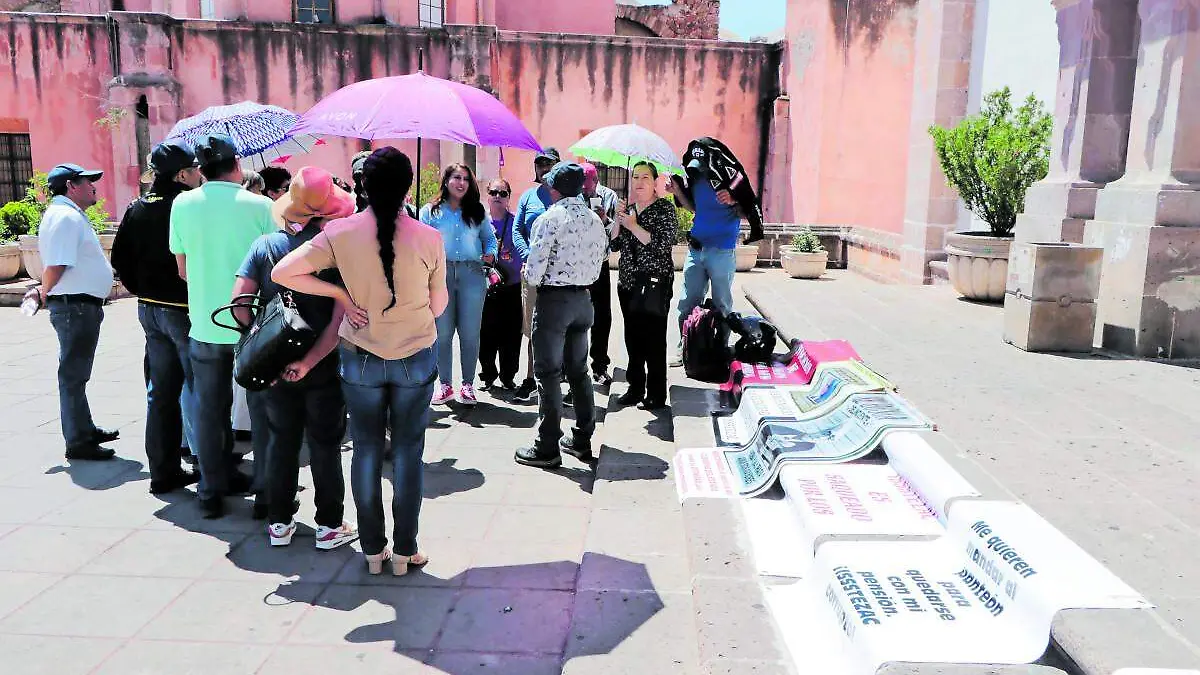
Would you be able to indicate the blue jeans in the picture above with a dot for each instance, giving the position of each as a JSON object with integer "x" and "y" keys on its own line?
{"x": 380, "y": 392}
{"x": 711, "y": 266}
{"x": 77, "y": 325}
{"x": 169, "y": 369}
{"x": 212, "y": 378}
{"x": 468, "y": 289}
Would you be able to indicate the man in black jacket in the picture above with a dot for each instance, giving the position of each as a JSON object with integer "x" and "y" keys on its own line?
{"x": 147, "y": 268}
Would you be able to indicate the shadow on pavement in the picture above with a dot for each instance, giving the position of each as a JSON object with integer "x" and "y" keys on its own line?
{"x": 620, "y": 465}
{"x": 101, "y": 475}
{"x": 490, "y": 415}
{"x": 442, "y": 478}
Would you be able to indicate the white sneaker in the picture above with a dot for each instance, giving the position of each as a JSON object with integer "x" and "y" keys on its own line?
{"x": 466, "y": 395}
{"x": 443, "y": 394}
{"x": 281, "y": 533}
{"x": 329, "y": 538}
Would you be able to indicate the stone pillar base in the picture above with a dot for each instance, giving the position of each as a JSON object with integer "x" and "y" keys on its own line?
{"x": 1056, "y": 212}
{"x": 923, "y": 243}
{"x": 1149, "y": 303}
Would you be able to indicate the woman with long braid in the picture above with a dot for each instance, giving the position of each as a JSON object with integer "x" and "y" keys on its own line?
{"x": 394, "y": 271}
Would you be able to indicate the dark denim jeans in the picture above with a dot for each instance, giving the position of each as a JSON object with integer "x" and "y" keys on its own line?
{"x": 314, "y": 407}
{"x": 212, "y": 378}
{"x": 77, "y": 325}
{"x": 561, "y": 319}
{"x": 380, "y": 392}
{"x": 169, "y": 376}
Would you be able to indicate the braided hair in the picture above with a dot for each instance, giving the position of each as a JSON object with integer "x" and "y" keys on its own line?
{"x": 387, "y": 177}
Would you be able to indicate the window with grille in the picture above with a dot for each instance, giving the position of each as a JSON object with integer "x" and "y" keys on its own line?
{"x": 314, "y": 11}
{"x": 431, "y": 13}
{"x": 16, "y": 166}
{"x": 615, "y": 178}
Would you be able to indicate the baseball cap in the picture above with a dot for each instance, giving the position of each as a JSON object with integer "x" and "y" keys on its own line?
{"x": 358, "y": 162}
{"x": 566, "y": 178}
{"x": 548, "y": 155}
{"x": 215, "y": 148}
{"x": 169, "y": 158}
{"x": 59, "y": 175}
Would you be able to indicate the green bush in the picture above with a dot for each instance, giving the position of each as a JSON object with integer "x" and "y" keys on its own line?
{"x": 686, "y": 218}
{"x": 37, "y": 198}
{"x": 16, "y": 219}
{"x": 992, "y": 158}
{"x": 431, "y": 184}
{"x": 807, "y": 241}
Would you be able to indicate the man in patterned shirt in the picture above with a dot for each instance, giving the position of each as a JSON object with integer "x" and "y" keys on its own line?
{"x": 567, "y": 246}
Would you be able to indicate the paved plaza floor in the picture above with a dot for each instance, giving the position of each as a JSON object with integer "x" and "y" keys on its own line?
{"x": 532, "y": 572}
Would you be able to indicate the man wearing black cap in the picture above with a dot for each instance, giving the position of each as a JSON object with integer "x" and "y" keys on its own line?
{"x": 533, "y": 203}
{"x": 567, "y": 247}
{"x": 212, "y": 228}
{"x": 142, "y": 257}
{"x": 76, "y": 281}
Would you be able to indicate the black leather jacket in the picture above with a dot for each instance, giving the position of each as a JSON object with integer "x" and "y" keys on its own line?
{"x": 141, "y": 254}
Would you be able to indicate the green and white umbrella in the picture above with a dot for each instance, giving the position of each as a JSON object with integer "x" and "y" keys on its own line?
{"x": 626, "y": 145}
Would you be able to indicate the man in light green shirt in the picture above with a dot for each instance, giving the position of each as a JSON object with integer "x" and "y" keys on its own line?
{"x": 212, "y": 228}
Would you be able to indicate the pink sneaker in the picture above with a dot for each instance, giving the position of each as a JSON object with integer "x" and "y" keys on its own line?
{"x": 466, "y": 395}
{"x": 443, "y": 394}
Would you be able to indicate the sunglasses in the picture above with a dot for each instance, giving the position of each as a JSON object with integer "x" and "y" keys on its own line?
{"x": 498, "y": 193}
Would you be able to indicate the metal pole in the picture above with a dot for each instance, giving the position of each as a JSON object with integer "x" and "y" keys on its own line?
{"x": 417, "y": 197}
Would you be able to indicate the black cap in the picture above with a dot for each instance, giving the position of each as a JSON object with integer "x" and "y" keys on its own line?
{"x": 171, "y": 157}
{"x": 359, "y": 161}
{"x": 566, "y": 178}
{"x": 215, "y": 148}
{"x": 547, "y": 155}
{"x": 59, "y": 175}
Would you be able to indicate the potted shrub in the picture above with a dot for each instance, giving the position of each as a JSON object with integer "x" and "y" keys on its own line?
{"x": 991, "y": 159}
{"x": 37, "y": 198}
{"x": 16, "y": 219}
{"x": 804, "y": 258}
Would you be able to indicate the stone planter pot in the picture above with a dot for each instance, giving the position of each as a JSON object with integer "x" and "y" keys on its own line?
{"x": 30, "y": 258}
{"x": 747, "y": 258}
{"x": 10, "y": 261}
{"x": 978, "y": 264}
{"x": 679, "y": 255}
{"x": 800, "y": 265}
{"x": 106, "y": 243}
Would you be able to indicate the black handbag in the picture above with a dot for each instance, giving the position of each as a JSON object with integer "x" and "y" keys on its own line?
{"x": 651, "y": 295}
{"x": 278, "y": 336}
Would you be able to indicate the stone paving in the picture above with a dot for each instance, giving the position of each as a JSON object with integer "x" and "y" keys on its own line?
{"x": 1104, "y": 447}
{"x": 575, "y": 571}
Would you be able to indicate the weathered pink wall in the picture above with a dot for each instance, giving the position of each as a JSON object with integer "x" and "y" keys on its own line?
{"x": 850, "y": 78}
{"x": 565, "y": 86}
{"x": 593, "y": 17}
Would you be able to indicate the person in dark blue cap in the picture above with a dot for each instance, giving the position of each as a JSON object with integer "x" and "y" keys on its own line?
{"x": 212, "y": 228}
{"x": 76, "y": 281}
{"x": 567, "y": 246}
{"x": 142, "y": 258}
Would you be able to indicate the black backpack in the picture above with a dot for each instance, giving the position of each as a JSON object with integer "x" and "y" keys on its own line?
{"x": 706, "y": 352}
{"x": 757, "y": 338}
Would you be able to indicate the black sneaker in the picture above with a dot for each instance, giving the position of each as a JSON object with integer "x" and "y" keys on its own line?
{"x": 212, "y": 508}
{"x": 654, "y": 404}
{"x": 176, "y": 482}
{"x": 631, "y": 397}
{"x": 533, "y": 456}
{"x": 105, "y": 435}
{"x": 526, "y": 391}
{"x": 579, "y": 448}
{"x": 90, "y": 452}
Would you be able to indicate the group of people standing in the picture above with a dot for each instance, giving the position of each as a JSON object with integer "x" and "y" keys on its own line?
{"x": 387, "y": 289}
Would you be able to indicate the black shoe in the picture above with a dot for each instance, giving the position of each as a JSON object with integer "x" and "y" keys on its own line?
{"x": 579, "y": 448}
{"x": 507, "y": 385}
{"x": 105, "y": 435}
{"x": 239, "y": 483}
{"x": 602, "y": 378}
{"x": 485, "y": 385}
{"x": 176, "y": 482}
{"x": 241, "y": 435}
{"x": 536, "y": 458}
{"x": 654, "y": 404}
{"x": 526, "y": 391}
{"x": 631, "y": 397}
{"x": 90, "y": 452}
{"x": 212, "y": 508}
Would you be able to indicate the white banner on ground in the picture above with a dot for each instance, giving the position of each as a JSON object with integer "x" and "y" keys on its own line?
{"x": 984, "y": 593}
{"x": 832, "y": 384}
{"x": 926, "y": 471}
{"x": 846, "y": 433}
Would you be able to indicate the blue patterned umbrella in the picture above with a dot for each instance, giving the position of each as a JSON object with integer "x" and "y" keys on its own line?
{"x": 259, "y": 131}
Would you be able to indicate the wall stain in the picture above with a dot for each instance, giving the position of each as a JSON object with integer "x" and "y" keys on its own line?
{"x": 559, "y": 57}
{"x": 590, "y": 59}
{"x": 681, "y": 67}
{"x": 608, "y": 48}
{"x": 58, "y": 40}
{"x": 542, "y": 52}
{"x": 515, "y": 75}
{"x": 12, "y": 56}
{"x": 864, "y": 19}
{"x": 340, "y": 56}
{"x": 35, "y": 57}
{"x": 233, "y": 73}
{"x": 262, "y": 64}
{"x": 626, "y": 77}
{"x": 293, "y": 75}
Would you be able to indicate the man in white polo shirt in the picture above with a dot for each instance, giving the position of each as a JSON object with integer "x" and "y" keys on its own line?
{"x": 75, "y": 283}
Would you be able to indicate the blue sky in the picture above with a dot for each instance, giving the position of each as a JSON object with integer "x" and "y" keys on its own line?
{"x": 750, "y": 18}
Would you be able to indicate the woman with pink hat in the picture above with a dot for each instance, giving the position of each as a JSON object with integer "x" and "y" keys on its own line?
{"x": 308, "y": 397}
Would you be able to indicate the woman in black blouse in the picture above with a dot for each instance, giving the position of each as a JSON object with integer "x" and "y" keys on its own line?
{"x": 644, "y": 283}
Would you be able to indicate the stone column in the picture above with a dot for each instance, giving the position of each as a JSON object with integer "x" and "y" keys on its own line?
{"x": 941, "y": 83}
{"x": 1149, "y": 221}
{"x": 1098, "y": 45}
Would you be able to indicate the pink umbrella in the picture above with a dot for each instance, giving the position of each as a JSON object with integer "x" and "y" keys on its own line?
{"x": 416, "y": 106}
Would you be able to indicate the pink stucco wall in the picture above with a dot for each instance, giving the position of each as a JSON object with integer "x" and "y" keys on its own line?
{"x": 850, "y": 79}
{"x": 594, "y": 17}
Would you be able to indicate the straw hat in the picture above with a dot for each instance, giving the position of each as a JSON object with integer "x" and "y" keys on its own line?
{"x": 312, "y": 194}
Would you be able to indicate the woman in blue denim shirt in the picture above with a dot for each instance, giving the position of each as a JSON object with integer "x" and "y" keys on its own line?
{"x": 458, "y": 214}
